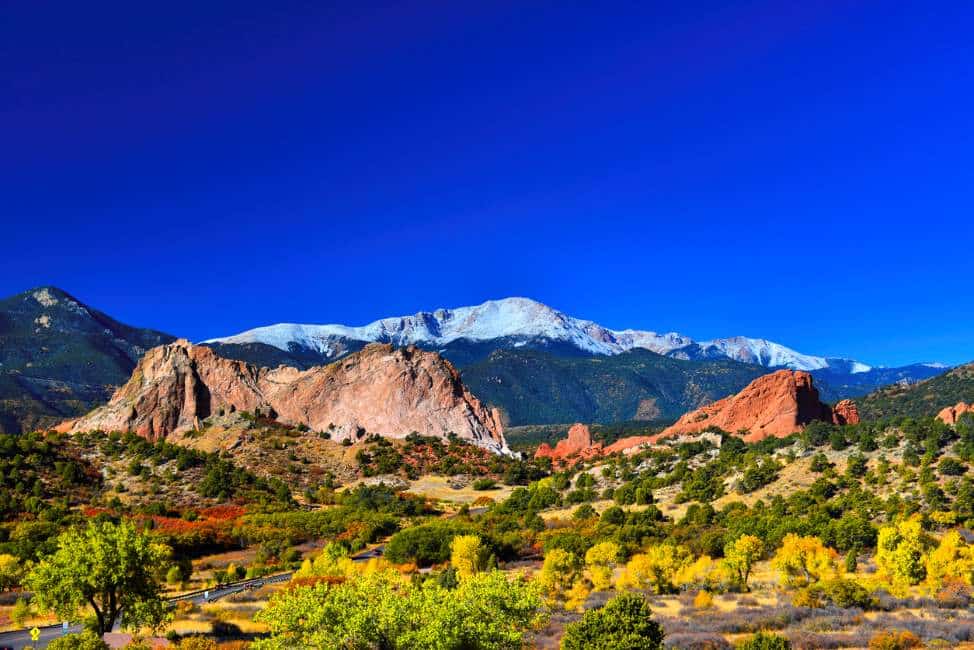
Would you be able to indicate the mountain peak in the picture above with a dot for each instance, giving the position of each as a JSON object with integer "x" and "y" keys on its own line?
{"x": 517, "y": 321}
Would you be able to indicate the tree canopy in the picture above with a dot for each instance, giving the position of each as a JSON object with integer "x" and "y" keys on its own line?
{"x": 108, "y": 567}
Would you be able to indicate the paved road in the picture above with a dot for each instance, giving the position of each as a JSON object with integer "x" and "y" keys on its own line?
{"x": 369, "y": 554}
{"x": 21, "y": 638}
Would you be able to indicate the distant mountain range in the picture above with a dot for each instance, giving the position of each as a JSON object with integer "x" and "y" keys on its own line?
{"x": 520, "y": 322}
{"x": 540, "y": 365}
{"x": 60, "y": 358}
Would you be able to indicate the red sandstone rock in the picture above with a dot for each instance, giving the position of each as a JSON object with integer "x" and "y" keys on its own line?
{"x": 777, "y": 404}
{"x": 951, "y": 414}
{"x": 577, "y": 446}
{"x": 391, "y": 392}
{"x": 624, "y": 444}
{"x": 845, "y": 412}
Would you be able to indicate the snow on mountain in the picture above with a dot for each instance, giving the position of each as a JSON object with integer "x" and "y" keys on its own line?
{"x": 771, "y": 354}
{"x": 522, "y": 319}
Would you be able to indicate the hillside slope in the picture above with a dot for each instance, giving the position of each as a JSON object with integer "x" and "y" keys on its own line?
{"x": 533, "y": 387}
{"x": 924, "y": 399}
{"x": 59, "y": 357}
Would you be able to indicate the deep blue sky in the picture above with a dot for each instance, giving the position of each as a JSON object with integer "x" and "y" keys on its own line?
{"x": 802, "y": 171}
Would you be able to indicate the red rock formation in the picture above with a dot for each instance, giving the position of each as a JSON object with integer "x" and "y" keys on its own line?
{"x": 624, "y": 444}
{"x": 777, "y": 404}
{"x": 845, "y": 412}
{"x": 391, "y": 392}
{"x": 951, "y": 414}
{"x": 577, "y": 446}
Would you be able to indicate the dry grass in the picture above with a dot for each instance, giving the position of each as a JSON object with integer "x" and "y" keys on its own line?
{"x": 438, "y": 488}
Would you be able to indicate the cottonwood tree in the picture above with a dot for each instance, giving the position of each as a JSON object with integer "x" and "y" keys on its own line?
{"x": 741, "y": 555}
{"x": 803, "y": 561}
{"x": 900, "y": 550}
{"x": 11, "y": 572}
{"x": 388, "y": 611}
{"x": 107, "y": 567}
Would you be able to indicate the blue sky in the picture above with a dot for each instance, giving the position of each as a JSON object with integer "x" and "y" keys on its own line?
{"x": 797, "y": 171}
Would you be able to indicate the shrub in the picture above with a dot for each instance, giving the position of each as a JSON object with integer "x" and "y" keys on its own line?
{"x": 895, "y": 640}
{"x": 174, "y": 576}
{"x": 197, "y": 643}
{"x": 955, "y": 594}
{"x": 764, "y": 641}
{"x": 624, "y": 622}
{"x": 820, "y": 463}
{"x": 484, "y": 484}
{"x": 87, "y": 640}
{"x": 847, "y": 593}
{"x": 583, "y": 512}
{"x": 951, "y": 467}
{"x": 703, "y": 600}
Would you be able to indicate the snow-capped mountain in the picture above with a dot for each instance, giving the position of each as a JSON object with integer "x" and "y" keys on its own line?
{"x": 520, "y": 321}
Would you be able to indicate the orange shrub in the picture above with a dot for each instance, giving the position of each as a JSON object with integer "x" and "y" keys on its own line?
{"x": 895, "y": 640}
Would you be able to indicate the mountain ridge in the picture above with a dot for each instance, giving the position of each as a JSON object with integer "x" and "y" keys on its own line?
{"x": 524, "y": 320}
{"x": 59, "y": 357}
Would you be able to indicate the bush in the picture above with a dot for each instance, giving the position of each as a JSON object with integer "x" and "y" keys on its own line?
{"x": 583, "y": 512}
{"x": 196, "y": 643}
{"x": 703, "y": 600}
{"x": 895, "y": 640}
{"x": 426, "y": 544}
{"x": 87, "y": 640}
{"x": 765, "y": 641}
{"x": 484, "y": 484}
{"x": 951, "y": 467}
{"x": 955, "y": 594}
{"x": 624, "y": 623}
{"x": 847, "y": 593}
{"x": 174, "y": 576}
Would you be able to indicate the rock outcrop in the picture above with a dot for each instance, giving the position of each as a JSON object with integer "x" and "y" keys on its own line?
{"x": 629, "y": 443}
{"x": 951, "y": 414}
{"x": 575, "y": 447}
{"x": 382, "y": 390}
{"x": 845, "y": 412}
{"x": 777, "y": 404}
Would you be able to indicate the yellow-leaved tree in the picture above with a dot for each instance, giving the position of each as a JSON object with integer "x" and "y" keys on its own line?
{"x": 900, "y": 549}
{"x": 741, "y": 555}
{"x": 559, "y": 572}
{"x": 704, "y": 573}
{"x": 600, "y": 560}
{"x": 950, "y": 561}
{"x": 656, "y": 568}
{"x": 332, "y": 561}
{"x": 802, "y": 561}
{"x": 11, "y": 571}
{"x": 468, "y": 555}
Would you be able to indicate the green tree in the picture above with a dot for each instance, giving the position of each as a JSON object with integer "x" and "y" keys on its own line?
{"x": 110, "y": 568}
{"x": 387, "y": 611}
{"x": 624, "y": 623}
